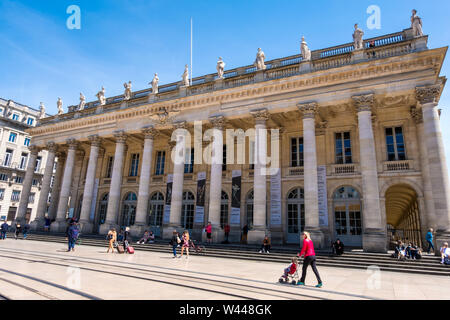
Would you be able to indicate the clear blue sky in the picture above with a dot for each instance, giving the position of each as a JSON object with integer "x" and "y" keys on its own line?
{"x": 122, "y": 40}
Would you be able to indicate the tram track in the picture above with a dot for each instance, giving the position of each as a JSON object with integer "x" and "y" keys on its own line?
{"x": 217, "y": 280}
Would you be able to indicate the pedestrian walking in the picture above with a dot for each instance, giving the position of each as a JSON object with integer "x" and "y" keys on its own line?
{"x": 310, "y": 259}
{"x": 3, "y": 230}
{"x": 244, "y": 234}
{"x": 429, "y": 238}
{"x": 126, "y": 238}
{"x": 185, "y": 244}
{"x": 17, "y": 231}
{"x": 26, "y": 229}
{"x": 174, "y": 242}
{"x": 72, "y": 235}
{"x": 112, "y": 239}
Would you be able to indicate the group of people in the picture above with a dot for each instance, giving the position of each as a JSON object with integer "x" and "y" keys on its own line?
{"x": 407, "y": 250}
{"x": 114, "y": 240}
{"x": 18, "y": 228}
{"x": 337, "y": 247}
{"x": 184, "y": 242}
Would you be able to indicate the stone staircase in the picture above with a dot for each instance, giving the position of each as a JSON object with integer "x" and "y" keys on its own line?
{"x": 351, "y": 259}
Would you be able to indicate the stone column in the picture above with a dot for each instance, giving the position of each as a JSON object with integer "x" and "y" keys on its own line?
{"x": 215, "y": 190}
{"x": 428, "y": 97}
{"x": 258, "y": 231}
{"x": 60, "y": 224}
{"x": 178, "y": 159}
{"x": 112, "y": 214}
{"x": 86, "y": 226}
{"x": 374, "y": 232}
{"x": 27, "y": 182}
{"x": 39, "y": 221}
{"x": 56, "y": 185}
{"x": 144, "y": 183}
{"x": 310, "y": 173}
{"x": 428, "y": 218}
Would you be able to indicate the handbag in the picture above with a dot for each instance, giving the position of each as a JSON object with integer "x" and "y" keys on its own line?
{"x": 115, "y": 244}
{"x": 178, "y": 240}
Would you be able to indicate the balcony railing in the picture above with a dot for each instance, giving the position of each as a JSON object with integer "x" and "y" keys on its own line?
{"x": 344, "y": 169}
{"x": 375, "y": 48}
{"x": 402, "y": 165}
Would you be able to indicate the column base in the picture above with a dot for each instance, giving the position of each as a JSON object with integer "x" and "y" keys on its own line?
{"x": 256, "y": 236}
{"x": 317, "y": 237}
{"x": 36, "y": 225}
{"x": 441, "y": 237}
{"x": 374, "y": 240}
{"x": 167, "y": 231}
{"x": 86, "y": 227}
{"x": 104, "y": 228}
{"x": 58, "y": 226}
{"x": 138, "y": 230}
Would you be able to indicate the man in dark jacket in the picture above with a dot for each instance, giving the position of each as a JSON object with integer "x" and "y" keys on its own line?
{"x": 26, "y": 229}
{"x": 126, "y": 238}
{"x": 3, "y": 229}
{"x": 17, "y": 231}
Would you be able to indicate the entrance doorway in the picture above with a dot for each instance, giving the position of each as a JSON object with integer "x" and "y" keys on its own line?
{"x": 187, "y": 211}
{"x": 347, "y": 216}
{"x": 295, "y": 215}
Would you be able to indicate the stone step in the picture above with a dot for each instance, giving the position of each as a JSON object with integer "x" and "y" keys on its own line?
{"x": 360, "y": 260}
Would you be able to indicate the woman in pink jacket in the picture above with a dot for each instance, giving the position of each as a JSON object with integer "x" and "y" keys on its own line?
{"x": 310, "y": 258}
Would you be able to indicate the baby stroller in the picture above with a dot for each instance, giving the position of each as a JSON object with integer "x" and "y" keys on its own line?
{"x": 197, "y": 248}
{"x": 290, "y": 278}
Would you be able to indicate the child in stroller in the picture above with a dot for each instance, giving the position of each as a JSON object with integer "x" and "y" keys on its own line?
{"x": 291, "y": 272}
{"x": 197, "y": 248}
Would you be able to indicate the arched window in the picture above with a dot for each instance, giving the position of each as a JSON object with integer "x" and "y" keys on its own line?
{"x": 249, "y": 209}
{"x": 128, "y": 210}
{"x": 156, "y": 209}
{"x": 295, "y": 214}
{"x": 224, "y": 210}
{"x": 347, "y": 215}
{"x": 102, "y": 209}
{"x": 187, "y": 210}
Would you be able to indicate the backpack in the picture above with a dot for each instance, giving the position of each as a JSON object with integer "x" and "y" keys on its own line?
{"x": 74, "y": 233}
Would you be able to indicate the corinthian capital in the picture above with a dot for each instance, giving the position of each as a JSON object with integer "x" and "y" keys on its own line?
{"x": 52, "y": 147}
{"x": 428, "y": 94}
{"x": 34, "y": 149}
{"x": 180, "y": 125}
{"x": 309, "y": 109}
{"x": 261, "y": 115}
{"x": 363, "y": 102}
{"x": 95, "y": 140}
{"x": 121, "y": 136}
{"x": 73, "y": 144}
{"x": 217, "y": 122}
{"x": 150, "y": 132}
{"x": 416, "y": 114}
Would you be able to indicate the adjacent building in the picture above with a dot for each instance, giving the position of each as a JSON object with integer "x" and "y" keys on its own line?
{"x": 16, "y": 153}
{"x": 356, "y": 132}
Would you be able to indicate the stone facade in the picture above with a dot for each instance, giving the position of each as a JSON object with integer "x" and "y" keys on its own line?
{"x": 20, "y": 188}
{"x": 360, "y": 150}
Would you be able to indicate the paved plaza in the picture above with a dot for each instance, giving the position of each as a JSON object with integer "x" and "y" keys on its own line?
{"x": 42, "y": 271}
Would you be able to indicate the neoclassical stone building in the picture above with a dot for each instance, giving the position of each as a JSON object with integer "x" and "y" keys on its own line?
{"x": 360, "y": 148}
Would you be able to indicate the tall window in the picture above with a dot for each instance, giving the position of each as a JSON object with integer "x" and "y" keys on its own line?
{"x": 12, "y": 137}
{"x": 15, "y": 196}
{"x": 297, "y": 152}
{"x": 187, "y": 210}
{"x": 19, "y": 179}
{"x": 134, "y": 165}
{"x": 160, "y": 161}
{"x": 249, "y": 210}
{"x": 31, "y": 197}
{"x": 30, "y": 121}
{"x": 3, "y": 177}
{"x": 395, "y": 144}
{"x": 26, "y": 142}
{"x": 38, "y": 164}
{"x": 2, "y": 194}
{"x": 102, "y": 209}
{"x": 35, "y": 182}
{"x": 15, "y": 117}
{"x": 343, "y": 148}
{"x": 109, "y": 166}
{"x": 23, "y": 161}
{"x": 189, "y": 161}
{"x": 8, "y": 157}
{"x": 156, "y": 209}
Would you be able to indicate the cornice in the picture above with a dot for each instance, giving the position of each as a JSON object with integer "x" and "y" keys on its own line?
{"x": 347, "y": 73}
